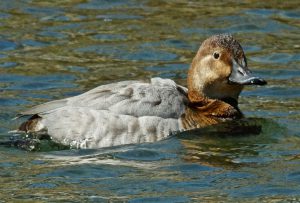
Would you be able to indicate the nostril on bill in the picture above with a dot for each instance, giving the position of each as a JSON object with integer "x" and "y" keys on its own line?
{"x": 241, "y": 71}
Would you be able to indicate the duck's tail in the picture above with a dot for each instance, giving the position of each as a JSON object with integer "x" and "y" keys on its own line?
{"x": 30, "y": 125}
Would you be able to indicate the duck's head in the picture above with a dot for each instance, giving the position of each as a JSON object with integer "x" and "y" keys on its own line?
{"x": 219, "y": 70}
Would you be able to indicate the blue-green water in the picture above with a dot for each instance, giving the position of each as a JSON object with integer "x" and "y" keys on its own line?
{"x": 56, "y": 49}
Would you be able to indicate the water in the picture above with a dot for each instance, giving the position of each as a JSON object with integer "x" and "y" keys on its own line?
{"x": 56, "y": 49}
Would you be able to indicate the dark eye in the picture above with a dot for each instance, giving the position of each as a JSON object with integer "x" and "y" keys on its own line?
{"x": 216, "y": 55}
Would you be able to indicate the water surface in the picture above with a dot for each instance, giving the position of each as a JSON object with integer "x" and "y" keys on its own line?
{"x": 56, "y": 49}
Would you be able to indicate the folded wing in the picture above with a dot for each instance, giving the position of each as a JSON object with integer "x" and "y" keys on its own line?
{"x": 160, "y": 97}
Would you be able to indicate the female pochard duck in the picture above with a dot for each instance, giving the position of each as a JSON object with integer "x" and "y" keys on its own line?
{"x": 135, "y": 111}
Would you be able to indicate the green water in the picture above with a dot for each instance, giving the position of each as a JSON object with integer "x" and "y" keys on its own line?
{"x": 56, "y": 49}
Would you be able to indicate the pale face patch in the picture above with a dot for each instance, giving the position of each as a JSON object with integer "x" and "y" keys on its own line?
{"x": 210, "y": 74}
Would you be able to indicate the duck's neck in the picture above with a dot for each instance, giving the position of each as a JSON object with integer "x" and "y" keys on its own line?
{"x": 199, "y": 99}
{"x": 202, "y": 111}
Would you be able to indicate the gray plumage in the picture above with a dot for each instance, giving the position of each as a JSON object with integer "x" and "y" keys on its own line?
{"x": 160, "y": 97}
{"x": 114, "y": 114}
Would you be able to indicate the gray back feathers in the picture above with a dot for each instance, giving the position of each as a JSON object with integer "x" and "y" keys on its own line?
{"x": 119, "y": 113}
{"x": 160, "y": 98}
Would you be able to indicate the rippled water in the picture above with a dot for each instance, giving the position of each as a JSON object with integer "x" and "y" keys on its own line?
{"x": 56, "y": 49}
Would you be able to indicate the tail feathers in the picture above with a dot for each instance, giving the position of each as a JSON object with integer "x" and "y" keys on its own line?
{"x": 32, "y": 126}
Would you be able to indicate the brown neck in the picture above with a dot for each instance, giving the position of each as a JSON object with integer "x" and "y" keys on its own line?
{"x": 202, "y": 111}
{"x": 197, "y": 99}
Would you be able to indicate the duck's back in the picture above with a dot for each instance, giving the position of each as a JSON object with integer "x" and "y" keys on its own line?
{"x": 119, "y": 113}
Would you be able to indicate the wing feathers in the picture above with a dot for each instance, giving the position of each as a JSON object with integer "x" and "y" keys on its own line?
{"x": 44, "y": 107}
{"x": 160, "y": 97}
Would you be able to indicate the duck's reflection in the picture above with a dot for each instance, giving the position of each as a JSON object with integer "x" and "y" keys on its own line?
{"x": 222, "y": 145}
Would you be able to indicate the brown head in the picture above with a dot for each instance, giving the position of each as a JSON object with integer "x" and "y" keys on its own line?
{"x": 219, "y": 70}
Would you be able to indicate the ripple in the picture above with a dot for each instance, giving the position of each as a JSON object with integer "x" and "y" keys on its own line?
{"x": 13, "y": 101}
{"x": 290, "y": 14}
{"x": 109, "y": 37}
{"x": 6, "y": 45}
{"x": 4, "y": 15}
{"x": 150, "y": 55}
{"x": 12, "y": 4}
{"x": 144, "y": 155}
{"x": 110, "y": 17}
{"x": 263, "y": 190}
{"x": 278, "y": 74}
{"x": 42, "y": 185}
{"x": 53, "y": 34}
{"x": 242, "y": 24}
{"x": 33, "y": 43}
{"x": 242, "y": 27}
{"x": 175, "y": 43}
{"x": 77, "y": 69}
{"x": 56, "y": 18}
{"x": 294, "y": 177}
{"x": 12, "y": 78}
{"x": 8, "y": 64}
{"x": 190, "y": 168}
{"x": 168, "y": 68}
{"x": 7, "y": 164}
{"x": 40, "y": 86}
{"x": 29, "y": 96}
{"x": 172, "y": 71}
{"x": 262, "y": 12}
{"x": 254, "y": 159}
{"x": 85, "y": 171}
{"x": 19, "y": 82}
{"x": 279, "y": 58}
{"x": 136, "y": 54}
{"x": 41, "y": 11}
{"x": 65, "y": 27}
{"x": 253, "y": 48}
{"x": 276, "y": 92}
{"x": 160, "y": 199}
{"x": 202, "y": 31}
{"x": 111, "y": 51}
{"x": 273, "y": 12}
{"x": 107, "y": 4}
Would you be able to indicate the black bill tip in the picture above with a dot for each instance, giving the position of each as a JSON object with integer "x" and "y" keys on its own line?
{"x": 248, "y": 81}
{"x": 242, "y": 75}
{"x": 257, "y": 81}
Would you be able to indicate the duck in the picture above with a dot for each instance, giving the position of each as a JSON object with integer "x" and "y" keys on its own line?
{"x": 132, "y": 112}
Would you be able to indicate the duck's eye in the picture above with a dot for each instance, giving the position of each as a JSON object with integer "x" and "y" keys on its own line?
{"x": 216, "y": 55}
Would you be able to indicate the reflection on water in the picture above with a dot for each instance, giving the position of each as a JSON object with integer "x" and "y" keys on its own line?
{"x": 56, "y": 49}
{"x": 231, "y": 144}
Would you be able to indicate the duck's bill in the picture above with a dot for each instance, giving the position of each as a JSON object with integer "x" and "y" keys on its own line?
{"x": 243, "y": 76}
